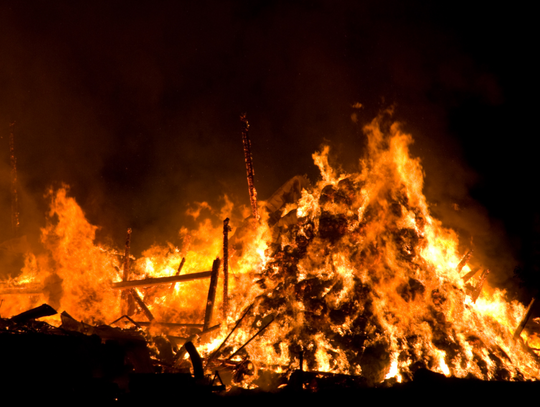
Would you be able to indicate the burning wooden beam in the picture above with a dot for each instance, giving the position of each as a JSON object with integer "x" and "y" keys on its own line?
{"x": 148, "y": 282}
{"x": 249, "y": 167}
{"x": 216, "y": 352}
{"x": 226, "y": 230}
{"x": 125, "y": 276}
{"x": 464, "y": 261}
{"x": 128, "y": 306}
{"x": 44, "y": 310}
{"x": 141, "y": 304}
{"x": 126, "y": 317}
{"x": 478, "y": 289}
{"x": 22, "y": 289}
{"x": 253, "y": 337}
{"x": 524, "y": 320}
{"x": 211, "y": 294}
{"x": 168, "y": 324}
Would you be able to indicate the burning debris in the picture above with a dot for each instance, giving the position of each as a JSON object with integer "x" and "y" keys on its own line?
{"x": 365, "y": 282}
{"x": 249, "y": 167}
{"x": 103, "y": 363}
{"x": 350, "y": 278}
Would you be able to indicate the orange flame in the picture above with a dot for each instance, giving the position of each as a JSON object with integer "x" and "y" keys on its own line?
{"x": 363, "y": 281}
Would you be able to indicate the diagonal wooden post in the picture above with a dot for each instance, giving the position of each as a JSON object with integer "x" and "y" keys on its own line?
{"x": 524, "y": 320}
{"x": 249, "y": 167}
{"x": 211, "y": 294}
{"x": 173, "y": 285}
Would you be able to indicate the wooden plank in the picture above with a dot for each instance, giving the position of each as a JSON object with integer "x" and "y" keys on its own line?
{"x": 173, "y": 285}
{"x": 211, "y": 294}
{"x": 147, "y": 282}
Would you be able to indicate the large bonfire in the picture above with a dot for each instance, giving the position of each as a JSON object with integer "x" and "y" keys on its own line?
{"x": 354, "y": 277}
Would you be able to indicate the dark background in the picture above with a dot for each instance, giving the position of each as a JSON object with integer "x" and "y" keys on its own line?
{"x": 135, "y": 106}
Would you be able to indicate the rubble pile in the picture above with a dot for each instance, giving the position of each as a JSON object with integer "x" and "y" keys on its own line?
{"x": 349, "y": 283}
{"x": 98, "y": 363}
{"x": 361, "y": 280}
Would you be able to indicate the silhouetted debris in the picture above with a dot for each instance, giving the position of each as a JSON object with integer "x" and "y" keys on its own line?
{"x": 43, "y": 310}
{"x": 464, "y": 261}
{"x": 525, "y": 318}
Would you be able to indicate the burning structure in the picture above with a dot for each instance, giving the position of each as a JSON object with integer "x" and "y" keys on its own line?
{"x": 351, "y": 276}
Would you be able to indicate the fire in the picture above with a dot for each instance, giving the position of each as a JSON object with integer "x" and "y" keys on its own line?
{"x": 365, "y": 282}
{"x": 356, "y": 277}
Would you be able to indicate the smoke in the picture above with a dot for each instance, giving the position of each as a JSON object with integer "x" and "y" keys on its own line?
{"x": 136, "y": 106}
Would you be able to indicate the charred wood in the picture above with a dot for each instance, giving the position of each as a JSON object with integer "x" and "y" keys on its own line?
{"x": 464, "y": 261}
{"x": 125, "y": 276}
{"x": 211, "y": 294}
{"x": 524, "y": 320}
{"x": 211, "y": 329}
{"x": 169, "y": 324}
{"x": 141, "y": 304}
{"x": 196, "y": 360}
{"x": 178, "y": 272}
{"x": 332, "y": 227}
{"x": 22, "y": 289}
{"x": 43, "y": 310}
{"x": 221, "y": 385}
{"x": 14, "y": 184}
{"x": 128, "y": 306}
{"x": 249, "y": 167}
{"x": 128, "y": 318}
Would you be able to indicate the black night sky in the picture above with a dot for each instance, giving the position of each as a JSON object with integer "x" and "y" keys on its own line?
{"x": 135, "y": 105}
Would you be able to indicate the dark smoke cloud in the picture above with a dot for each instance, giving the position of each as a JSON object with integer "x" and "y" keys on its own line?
{"x": 135, "y": 105}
